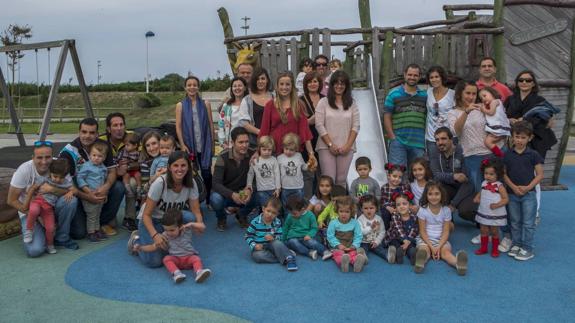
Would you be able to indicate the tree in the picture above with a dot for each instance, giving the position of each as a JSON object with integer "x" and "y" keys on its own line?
{"x": 13, "y": 35}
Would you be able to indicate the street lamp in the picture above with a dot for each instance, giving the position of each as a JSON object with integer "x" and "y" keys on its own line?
{"x": 99, "y": 66}
{"x": 148, "y": 35}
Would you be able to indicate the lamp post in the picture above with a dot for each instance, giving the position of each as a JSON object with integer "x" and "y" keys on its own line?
{"x": 245, "y": 27}
{"x": 148, "y": 35}
{"x": 99, "y": 66}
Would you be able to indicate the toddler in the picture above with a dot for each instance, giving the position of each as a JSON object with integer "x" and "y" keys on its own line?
{"x": 131, "y": 154}
{"x": 497, "y": 125}
{"x": 372, "y": 229}
{"x": 364, "y": 184}
{"x": 266, "y": 171}
{"x": 160, "y": 163}
{"x": 291, "y": 165}
{"x": 403, "y": 229}
{"x": 305, "y": 66}
{"x": 393, "y": 185}
{"x": 181, "y": 252}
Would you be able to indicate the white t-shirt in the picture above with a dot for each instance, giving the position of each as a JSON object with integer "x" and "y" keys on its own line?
{"x": 25, "y": 176}
{"x": 168, "y": 199}
{"x": 417, "y": 191}
{"x": 437, "y": 112}
{"x": 434, "y": 222}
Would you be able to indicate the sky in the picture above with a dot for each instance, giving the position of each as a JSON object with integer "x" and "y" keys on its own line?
{"x": 188, "y": 34}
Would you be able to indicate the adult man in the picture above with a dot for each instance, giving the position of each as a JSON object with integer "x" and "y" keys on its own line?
{"x": 245, "y": 71}
{"x": 36, "y": 172}
{"x": 230, "y": 179}
{"x": 487, "y": 73}
{"x": 115, "y": 134}
{"x": 404, "y": 118}
{"x": 111, "y": 193}
{"x": 321, "y": 66}
{"x": 447, "y": 168}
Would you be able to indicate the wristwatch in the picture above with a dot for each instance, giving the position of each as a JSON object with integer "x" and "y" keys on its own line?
{"x": 330, "y": 144}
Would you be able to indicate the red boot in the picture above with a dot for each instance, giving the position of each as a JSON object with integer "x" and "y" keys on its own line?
{"x": 494, "y": 247}
{"x": 483, "y": 248}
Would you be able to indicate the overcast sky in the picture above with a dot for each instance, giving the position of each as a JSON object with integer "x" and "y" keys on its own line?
{"x": 189, "y": 35}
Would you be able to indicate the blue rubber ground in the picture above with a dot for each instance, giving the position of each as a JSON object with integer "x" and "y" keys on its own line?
{"x": 493, "y": 290}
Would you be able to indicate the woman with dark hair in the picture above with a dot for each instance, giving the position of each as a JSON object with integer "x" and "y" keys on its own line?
{"x": 174, "y": 190}
{"x": 526, "y": 97}
{"x": 440, "y": 99}
{"x": 337, "y": 123}
{"x": 230, "y": 115}
{"x": 195, "y": 129}
{"x": 252, "y": 106}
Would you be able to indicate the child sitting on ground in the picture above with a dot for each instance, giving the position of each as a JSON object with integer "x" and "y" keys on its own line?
{"x": 403, "y": 229}
{"x": 322, "y": 196}
{"x": 300, "y": 228}
{"x": 264, "y": 237}
{"x": 364, "y": 184}
{"x": 160, "y": 163}
{"x": 91, "y": 176}
{"x": 372, "y": 229}
{"x": 266, "y": 171}
{"x": 42, "y": 205}
{"x": 394, "y": 185}
{"x": 497, "y": 124}
{"x": 182, "y": 254}
{"x": 344, "y": 236}
{"x": 131, "y": 154}
{"x": 434, "y": 224}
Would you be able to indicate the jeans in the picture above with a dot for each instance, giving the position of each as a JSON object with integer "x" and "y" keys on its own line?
{"x": 109, "y": 210}
{"x": 263, "y": 196}
{"x": 286, "y": 193}
{"x": 303, "y": 247}
{"x": 473, "y": 167}
{"x": 154, "y": 259}
{"x": 380, "y": 250}
{"x": 431, "y": 150}
{"x": 219, "y": 203}
{"x": 522, "y": 211}
{"x": 275, "y": 251}
{"x": 400, "y": 154}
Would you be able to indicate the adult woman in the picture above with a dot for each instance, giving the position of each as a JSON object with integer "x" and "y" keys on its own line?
{"x": 467, "y": 122}
{"x": 252, "y": 106}
{"x": 230, "y": 115}
{"x": 195, "y": 129}
{"x": 337, "y": 122}
{"x": 525, "y": 97}
{"x": 284, "y": 115}
{"x": 440, "y": 99}
{"x": 175, "y": 189}
{"x": 312, "y": 84}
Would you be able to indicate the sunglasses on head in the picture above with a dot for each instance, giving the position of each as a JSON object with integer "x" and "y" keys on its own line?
{"x": 524, "y": 80}
{"x": 42, "y": 143}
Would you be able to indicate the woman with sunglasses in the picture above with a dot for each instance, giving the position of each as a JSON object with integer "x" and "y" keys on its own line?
{"x": 440, "y": 99}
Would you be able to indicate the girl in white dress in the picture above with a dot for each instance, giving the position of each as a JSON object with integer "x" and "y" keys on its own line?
{"x": 497, "y": 125}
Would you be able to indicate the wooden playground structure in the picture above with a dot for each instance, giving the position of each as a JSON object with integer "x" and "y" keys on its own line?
{"x": 519, "y": 34}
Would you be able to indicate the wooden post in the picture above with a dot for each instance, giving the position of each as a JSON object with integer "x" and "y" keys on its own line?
{"x": 375, "y": 59}
{"x": 348, "y": 64}
{"x": 365, "y": 20}
{"x": 568, "y": 116}
{"x": 387, "y": 61}
{"x": 10, "y": 106}
{"x": 449, "y": 14}
{"x": 81, "y": 82}
{"x": 228, "y": 33}
{"x": 304, "y": 46}
{"x": 499, "y": 41}
{"x": 54, "y": 91}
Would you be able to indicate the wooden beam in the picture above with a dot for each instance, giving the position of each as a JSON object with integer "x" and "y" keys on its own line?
{"x": 551, "y": 3}
{"x": 460, "y": 7}
{"x": 499, "y": 41}
{"x": 22, "y": 47}
{"x": 387, "y": 62}
{"x": 54, "y": 91}
{"x": 555, "y": 83}
{"x": 81, "y": 82}
{"x": 453, "y": 31}
{"x": 304, "y": 45}
{"x": 376, "y": 60}
{"x": 228, "y": 34}
{"x": 568, "y": 115}
{"x": 436, "y": 23}
{"x": 11, "y": 109}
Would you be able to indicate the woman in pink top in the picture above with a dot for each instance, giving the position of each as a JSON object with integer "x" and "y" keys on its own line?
{"x": 285, "y": 114}
{"x": 337, "y": 122}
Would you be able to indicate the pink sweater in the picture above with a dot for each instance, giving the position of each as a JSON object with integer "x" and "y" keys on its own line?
{"x": 335, "y": 122}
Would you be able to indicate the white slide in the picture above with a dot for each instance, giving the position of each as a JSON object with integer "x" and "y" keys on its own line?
{"x": 369, "y": 142}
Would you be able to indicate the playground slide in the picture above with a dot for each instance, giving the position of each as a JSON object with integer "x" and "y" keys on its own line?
{"x": 369, "y": 141}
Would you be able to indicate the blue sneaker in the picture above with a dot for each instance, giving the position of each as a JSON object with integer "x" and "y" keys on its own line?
{"x": 69, "y": 244}
{"x": 291, "y": 264}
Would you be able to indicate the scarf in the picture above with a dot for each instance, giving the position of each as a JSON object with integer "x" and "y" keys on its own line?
{"x": 188, "y": 130}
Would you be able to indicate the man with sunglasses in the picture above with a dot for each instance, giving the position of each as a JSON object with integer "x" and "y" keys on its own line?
{"x": 321, "y": 67}
{"x": 36, "y": 172}
{"x": 111, "y": 193}
{"x": 487, "y": 73}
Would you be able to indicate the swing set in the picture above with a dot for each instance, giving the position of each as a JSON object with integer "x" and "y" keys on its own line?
{"x": 67, "y": 45}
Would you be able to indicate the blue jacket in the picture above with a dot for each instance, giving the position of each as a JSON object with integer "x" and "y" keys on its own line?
{"x": 91, "y": 175}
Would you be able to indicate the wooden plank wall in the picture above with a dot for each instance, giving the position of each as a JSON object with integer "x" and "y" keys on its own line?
{"x": 548, "y": 58}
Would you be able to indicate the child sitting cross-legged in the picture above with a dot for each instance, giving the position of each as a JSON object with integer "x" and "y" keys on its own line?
{"x": 373, "y": 229}
{"x": 300, "y": 228}
{"x": 403, "y": 229}
{"x": 264, "y": 237}
{"x": 182, "y": 255}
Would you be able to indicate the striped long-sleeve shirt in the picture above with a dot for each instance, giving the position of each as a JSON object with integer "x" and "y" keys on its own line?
{"x": 258, "y": 229}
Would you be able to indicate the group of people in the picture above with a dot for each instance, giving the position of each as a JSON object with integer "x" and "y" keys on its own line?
{"x": 287, "y": 157}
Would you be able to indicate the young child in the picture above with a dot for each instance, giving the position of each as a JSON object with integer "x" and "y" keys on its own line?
{"x": 393, "y": 185}
{"x": 91, "y": 176}
{"x": 329, "y": 212}
{"x": 305, "y": 66}
{"x": 364, "y": 184}
{"x": 335, "y": 65}
{"x": 434, "y": 224}
{"x": 344, "y": 236}
{"x": 131, "y": 153}
{"x": 322, "y": 196}
{"x": 181, "y": 252}
{"x": 42, "y": 205}
{"x": 492, "y": 199}
{"x": 497, "y": 125}
{"x": 524, "y": 170}
{"x": 372, "y": 229}
{"x": 403, "y": 229}
{"x": 160, "y": 163}
{"x": 291, "y": 165}
{"x": 264, "y": 237}
{"x": 300, "y": 229}
{"x": 419, "y": 174}
{"x": 266, "y": 171}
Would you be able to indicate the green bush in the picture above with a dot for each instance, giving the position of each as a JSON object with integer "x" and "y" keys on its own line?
{"x": 147, "y": 100}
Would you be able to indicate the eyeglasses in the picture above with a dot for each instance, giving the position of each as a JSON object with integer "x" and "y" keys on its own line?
{"x": 320, "y": 64}
{"x": 524, "y": 80}
{"x": 42, "y": 143}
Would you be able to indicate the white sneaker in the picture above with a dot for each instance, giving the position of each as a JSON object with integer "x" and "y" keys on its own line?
{"x": 179, "y": 277}
{"x": 524, "y": 255}
{"x": 477, "y": 239}
{"x": 513, "y": 251}
{"x": 391, "y": 252}
{"x": 28, "y": 235}
{"x": 131, "y": 242}
{"x": 326, "y": 255}
{"x": 51, "y": 250}
{"x": 313, "y": 254}
{"x": 505, "y": 245}
{"x": 202, "y": 275}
